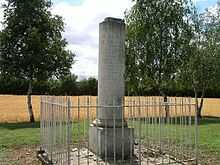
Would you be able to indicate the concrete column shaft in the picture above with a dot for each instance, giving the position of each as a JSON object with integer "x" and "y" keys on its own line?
{"x": 111, "y": 69}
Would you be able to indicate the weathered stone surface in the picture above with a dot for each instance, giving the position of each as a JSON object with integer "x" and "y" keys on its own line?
{"x": 107, "y": 141}
{"x": 111, "y": 69}
{"x": 110, "y": 120}
{"x": 87, "y": 157}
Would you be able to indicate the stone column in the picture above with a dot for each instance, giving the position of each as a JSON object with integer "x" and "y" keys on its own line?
{"x": 111, "y": 93}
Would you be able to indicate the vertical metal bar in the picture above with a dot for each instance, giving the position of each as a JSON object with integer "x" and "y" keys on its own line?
{"x": 131, "y": 135}
{"x": 78, "y": 130}
{"x": 146, "y": 107}
{"x": 97, "y": 149}
{"x": 122, "y": 121}
{"x": 69, "y": 129}
{"x": 114, "y": 130}
{"x": 105, "y": 139}
{"x": 62, "y": 131}
{"x": 139, "y": 130}
{"x": 190, "y": 128}
{"x": 55, "y": 129}
{"x": 88, "y": 123}
{"x": 169, "y": 125}
{"x": 154, "y": 106}
{"x": 175, "y": 125}
{"x": 159, "y": 123}
{"x": 186, "y": 131}
{"x": 55, "y": 152}
{"x": 83, "y": 116}
{"x": 151, "y": 119}
{"x": 182, "y": 129}
{"x": 51, "y": 127}
{"x": 66, "y": 130}
{"x": 41, "y": 122}
{"x": 196, "y": 132}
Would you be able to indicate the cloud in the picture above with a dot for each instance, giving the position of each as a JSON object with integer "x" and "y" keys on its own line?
{"x": 1, "y": 13}
{"x": 82, "y": 18}
{"x": 82, "y": 29}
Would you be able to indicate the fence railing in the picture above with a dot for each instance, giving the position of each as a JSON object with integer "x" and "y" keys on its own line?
{"x": 162, "y": 132}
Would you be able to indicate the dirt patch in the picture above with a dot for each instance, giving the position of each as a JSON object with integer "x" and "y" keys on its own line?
{"x": 20, "y": 156}
{"x": 26, "y": 155}
{"x": 209, "y": 158}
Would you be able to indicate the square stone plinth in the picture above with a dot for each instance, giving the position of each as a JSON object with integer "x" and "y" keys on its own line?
{"x": 110, "y": 142}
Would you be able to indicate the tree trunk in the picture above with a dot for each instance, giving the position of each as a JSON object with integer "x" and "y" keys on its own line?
{"x": 199, "y": 109}
{"x": 199, "y": 106}
{"x": 167, "y": 113}
{"x": 29, "y": 103}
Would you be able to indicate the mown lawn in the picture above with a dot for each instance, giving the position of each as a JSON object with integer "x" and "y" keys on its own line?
{"x": 18, "y": 135}
{"x": 209, "y": 134}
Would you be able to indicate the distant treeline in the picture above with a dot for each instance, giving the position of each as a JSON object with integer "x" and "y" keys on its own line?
{"x": 70, "y": 86}
{"x": 66, "y": 86}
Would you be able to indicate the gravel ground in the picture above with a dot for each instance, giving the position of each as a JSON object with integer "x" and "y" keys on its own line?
{"x": 27, "y": 156}
{"x": 20, "y": 156}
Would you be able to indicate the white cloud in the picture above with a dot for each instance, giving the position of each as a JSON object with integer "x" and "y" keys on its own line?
{"x": 81, "y": 29}
{"x": 198, "y": 1}
{"x": 1, "y": 13}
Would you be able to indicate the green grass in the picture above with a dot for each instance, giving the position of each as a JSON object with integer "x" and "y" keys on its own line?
{"x": 209, "y": 134}
{"x": 21, "y": 134}
{"x": 18, "y": 134}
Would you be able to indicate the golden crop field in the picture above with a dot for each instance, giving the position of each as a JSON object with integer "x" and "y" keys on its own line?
{"x": 13, "y": 108}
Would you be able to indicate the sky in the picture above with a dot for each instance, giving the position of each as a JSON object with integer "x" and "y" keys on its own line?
{"x": 82, "y": 18}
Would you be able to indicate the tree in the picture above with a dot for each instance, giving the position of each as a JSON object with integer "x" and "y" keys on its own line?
{"x": 201, "y": 70}
{"x": 156, "y": 34}
{"x": 93, "y": 86}
{"x": 69, "y": 85}
{"x": 31, "y": 43}
{"x": 88, "y": 86}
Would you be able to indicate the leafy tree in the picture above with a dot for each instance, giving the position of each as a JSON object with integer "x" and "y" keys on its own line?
{"x": 69, "y": 85}
{"x": 157, "y": 31}
{"x": 201, "y": 70}
{"x": 31, "y": 43}
{"x": 93, "y": 86}
{"x": 88, "y": 86}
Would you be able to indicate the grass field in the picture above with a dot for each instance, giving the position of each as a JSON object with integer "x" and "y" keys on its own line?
{"x": 19, "y": 141}
{"x": 14, "y": 108}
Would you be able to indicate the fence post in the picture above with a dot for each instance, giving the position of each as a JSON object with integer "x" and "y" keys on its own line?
{"x": 69, "y": 129}
{"x": 196, "y": 131}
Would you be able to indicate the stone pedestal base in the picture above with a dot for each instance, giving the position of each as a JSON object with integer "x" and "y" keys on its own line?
{"x": 101, "y": 141}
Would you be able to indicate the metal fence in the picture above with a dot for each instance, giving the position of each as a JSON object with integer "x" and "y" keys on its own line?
{"x": 56, "y": 130}
{"x": 163, "y": 132}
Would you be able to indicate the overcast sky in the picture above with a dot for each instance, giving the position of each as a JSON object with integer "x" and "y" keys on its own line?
{"x": 81, "y": 19}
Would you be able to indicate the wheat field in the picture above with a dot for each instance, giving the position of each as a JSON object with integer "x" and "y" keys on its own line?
{"x": 13, "y": 108}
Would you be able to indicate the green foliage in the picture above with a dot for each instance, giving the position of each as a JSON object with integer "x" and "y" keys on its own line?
{"x": 68, "y": 85}
{"x": 88, "y": 87}
{"x": 201, "y": 69}
{"x": 157, "y": 33}
{"x": 31, "y": 42}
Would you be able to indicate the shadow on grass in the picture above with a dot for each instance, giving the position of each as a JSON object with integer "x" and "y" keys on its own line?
{"x": 180, "y": 120}
{"x": 209, "y": 120}
{"x": 204, "y": 121}
{"x": 22, "y": 125}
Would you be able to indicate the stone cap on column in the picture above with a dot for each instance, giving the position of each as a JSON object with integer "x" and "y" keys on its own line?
{"x": 115, "y": 20}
